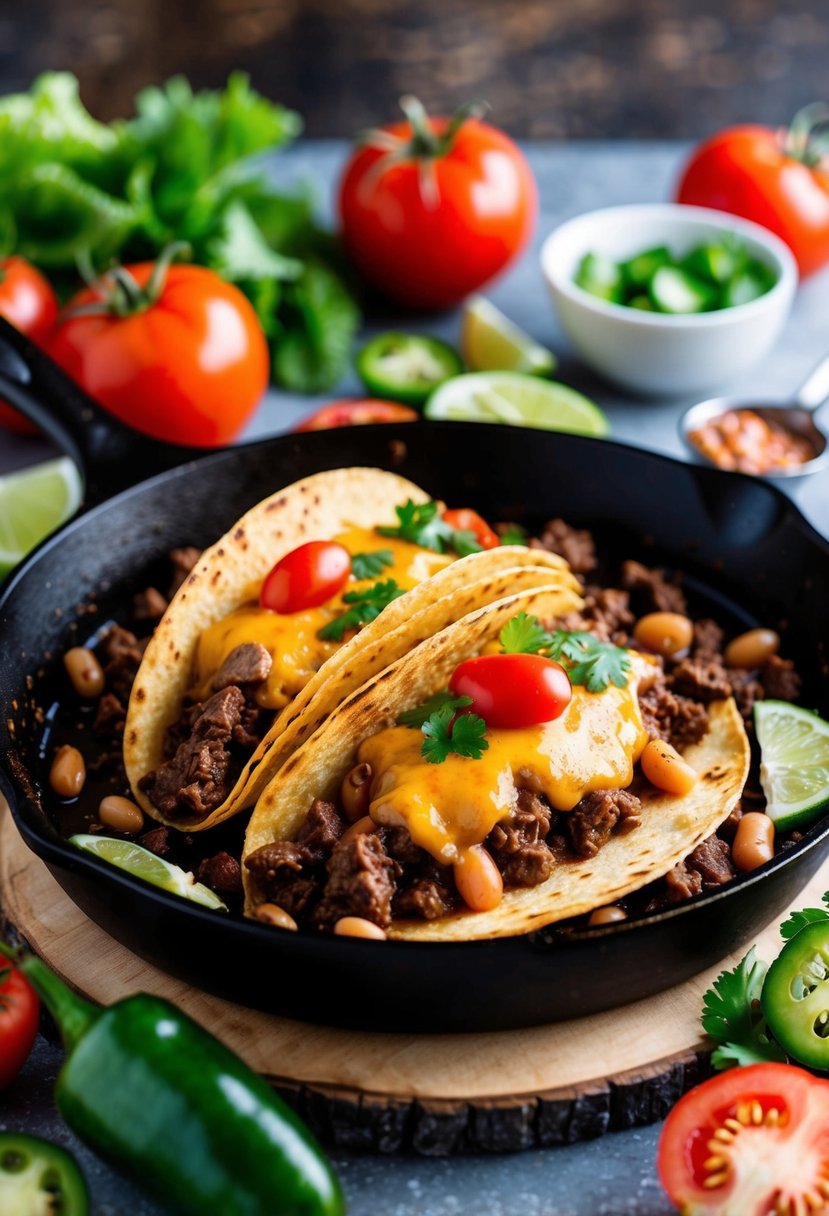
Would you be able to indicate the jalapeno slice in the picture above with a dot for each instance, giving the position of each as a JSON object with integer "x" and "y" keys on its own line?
{"x": 406, "y": 367}
{"x": 39, "y": 1179}
{"x": 795, "y": 997}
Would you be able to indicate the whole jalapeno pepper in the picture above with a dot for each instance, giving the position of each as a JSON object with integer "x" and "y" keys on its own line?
{"x": 168, "y": 1104}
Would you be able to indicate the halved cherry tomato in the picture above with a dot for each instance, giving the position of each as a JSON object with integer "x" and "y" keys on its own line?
{"x": 513, "y": 690}
{"x": 27, "y": 302}
{"x": 19, "y": 1014}
{"x": 306, "y": 577}
{"x": 464, "y": 519}
{"x": 362, "y": 411}
{"x": 748, "y": 1142}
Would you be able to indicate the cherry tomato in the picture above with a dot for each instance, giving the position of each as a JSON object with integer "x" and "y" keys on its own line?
{"x": 188, "y": 366}
{"x": 768, "y": 1157}
{"x": 365, "y": 410}
{"x": 464, "y": 519}
{"x": 433, "y": 208}
{"x": 27, "y": 302}
{"x": 19, "y": 1014}
{"x": 513, "y": 690}
{"x": 755, "y": 172}
{"x": 306, "y": 577}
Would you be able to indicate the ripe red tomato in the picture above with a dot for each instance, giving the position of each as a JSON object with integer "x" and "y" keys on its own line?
{"x": 364, "y": 410}
{"x": 513, "y": 690}
{"x": 766, "y": 1166}
{"x": 306, "y": 577}
{"x": 27, "y": 302}
{"x": 431, "y": 210}
{"x": 464, "y": 519}
{"x": 755, "y": 172}
{"x": 188, "y": 367}
{"x": 19, "y": 1013}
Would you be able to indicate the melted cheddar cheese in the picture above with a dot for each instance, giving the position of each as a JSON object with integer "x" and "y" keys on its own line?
{"x": 291, "y": 638}
{"x": 449, "y": 808}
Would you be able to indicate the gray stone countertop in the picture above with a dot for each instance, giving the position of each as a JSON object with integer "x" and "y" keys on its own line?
{"x": 614, "y": 1176}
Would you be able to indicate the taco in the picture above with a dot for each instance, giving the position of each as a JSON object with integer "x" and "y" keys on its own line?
{"x": 411, "y": 812}
{"x": 228, "y": 687}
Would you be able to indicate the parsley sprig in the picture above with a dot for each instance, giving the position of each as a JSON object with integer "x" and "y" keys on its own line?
{"x": 365, "y": 606}
{"x": 589, "y": 662}
{"x": 369, "y": 565}
{"x": 445, "y": 730}
{"x": 732, "y": 1016}
{"x": 421, "y": 524}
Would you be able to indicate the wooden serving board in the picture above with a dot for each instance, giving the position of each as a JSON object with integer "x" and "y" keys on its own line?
{"x": 435, "y": 1094}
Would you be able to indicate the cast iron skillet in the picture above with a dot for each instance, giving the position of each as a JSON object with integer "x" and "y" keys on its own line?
{"x": 740, "y": 542}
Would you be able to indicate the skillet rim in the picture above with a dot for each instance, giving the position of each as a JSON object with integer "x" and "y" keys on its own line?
{"x": 62, "y": 855}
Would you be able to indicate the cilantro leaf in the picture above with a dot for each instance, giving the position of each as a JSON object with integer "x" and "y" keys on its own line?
{"x": 420, "y": 524}
{"x": 365, "y": 606}
{"x": 592, "y": 663}
{"x": 422, "y": 713}
{"x": 464, "y": 737}
{"x": 369, "y": 565}
{"x": 513, "y": 534}
{"x": 800, "y": 919}
{"x": 731, "y": 1014}
{"x": 524, "y": 634}
{"x": 319, "y": 320}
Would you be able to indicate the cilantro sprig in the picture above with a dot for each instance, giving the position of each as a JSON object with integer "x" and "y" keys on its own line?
{"x": 513, "y": 534}
{"x": 445, "y": 730}
{"x": 592, "y": 663}
{"x": 421, "y": 524}
{"x": 365, "y": 606}
{"x": 732, "y": 1016}
{"x": 524, "y": 634}
{"x": 369, "y": 565}
{"x": 803, "y": 917}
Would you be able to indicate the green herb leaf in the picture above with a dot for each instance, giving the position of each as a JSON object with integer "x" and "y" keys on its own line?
{"x": 731, "y": 1014}
{"x": 592, "y": 663}
{"x": 420, "y": 524}
{"x": 513, "y": 534}
{"x": 524, "y": 634}
{"x": 239, "y": 251}
{"x": 463, "y": 737}
{"x": 365, "y": 606}
{"x": 800, "y": 919}
{"x": 319, "y": 320}
{"x": 422, "y": 713}
{"x": 369, "y": 565}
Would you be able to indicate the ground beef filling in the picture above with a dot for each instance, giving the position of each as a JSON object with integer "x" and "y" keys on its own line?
{"x": 383, "y": 875}
{"x": 207, "y": 747}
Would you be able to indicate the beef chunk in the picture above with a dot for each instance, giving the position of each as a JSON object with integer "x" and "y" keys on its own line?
{"x": 574, "y": 545}
{"x": 110, "y": 717}
{"x": 681, "y": 883}
{"x": 706, "y": 868}
{"x": 745, "y": 689}
{"x": 426, "y": 898}
{"x": 652, "y": 591}
{"x": 197, "y": 776}
{"x": 611, "y": 606}
{"x": 249, "y": 663}
{"x": 669, "y": 716}
{"x": 703, "y": 679}
{"x": 252, "y": 726}
{"x": 157, "y": 840}
{"x": 600, "y": 813}
{"x": 518, "y": 845}
{"x": 222, "y": 873}
{"x": 283, "y": 874}
{"x": 728, "y": 828}
{"x": 399, "y": 845}
{"x": 321, "y": 830}
{"x": 779, "y": 679}
{"x": 182, "y": 561}
{"x": 424, "y": 889}
{"x": 708, "y": 639}
{"x": 120, "y": 653}
{"x": 148, "y": 605}
{"x": 361, "y": 882}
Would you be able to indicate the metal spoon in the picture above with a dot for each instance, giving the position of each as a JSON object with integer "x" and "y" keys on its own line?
{"x": 796, "y": 416}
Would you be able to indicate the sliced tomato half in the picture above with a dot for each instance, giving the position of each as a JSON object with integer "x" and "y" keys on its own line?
{"x": 749, "y": 1142}
{"x": 358, "y": 412}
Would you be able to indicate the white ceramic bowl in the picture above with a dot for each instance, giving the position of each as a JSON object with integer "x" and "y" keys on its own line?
{"x": 658, "y": 353}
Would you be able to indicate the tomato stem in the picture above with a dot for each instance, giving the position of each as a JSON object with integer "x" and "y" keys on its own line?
{"x": 118, "y": 292}
{"x": 425, "y": 143}
{"x": 807, "y": 138}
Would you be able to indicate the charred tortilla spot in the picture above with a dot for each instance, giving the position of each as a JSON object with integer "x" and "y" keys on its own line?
{"x": 239, "y": 533}
{"x": 133, "y": 736}
{"x": 140, "y": 694}
{"x": 317, "y": 500}
{"x": 215, "y": 578}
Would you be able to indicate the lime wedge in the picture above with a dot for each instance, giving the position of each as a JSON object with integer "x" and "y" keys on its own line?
{"x": 491, "y": 342}
{"x": 32, "y": 504}
{"x": 518, "y": 399}
{"x": 794, "y": 762}
{"x": 141, "y": 863}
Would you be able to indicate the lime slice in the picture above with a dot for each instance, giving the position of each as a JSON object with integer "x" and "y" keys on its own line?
{"x": 794, "y": 762}
{"x": 521, "y": 400}
{"x": 491, "y": 342}
{"x": 32, "y": 504}
{"x": 141, "y": 863}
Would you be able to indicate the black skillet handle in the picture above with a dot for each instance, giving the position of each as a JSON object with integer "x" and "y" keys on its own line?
{"x": 109, "y": 454}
